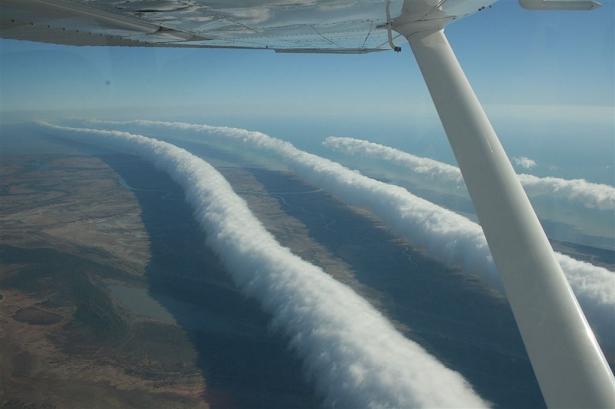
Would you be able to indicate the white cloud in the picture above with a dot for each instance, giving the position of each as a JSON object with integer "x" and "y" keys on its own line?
{"x": 446, "y": 236}
{"x": 575, "y": 191}
{"x": 524, "y": 162}
{"x": 353, "y": 354}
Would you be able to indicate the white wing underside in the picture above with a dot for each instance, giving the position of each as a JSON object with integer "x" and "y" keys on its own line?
{"x": 335, "y": 26}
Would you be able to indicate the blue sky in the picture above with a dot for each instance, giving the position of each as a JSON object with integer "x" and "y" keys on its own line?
{"x": 539, "y": 74}
{"x": 512, "y": 57}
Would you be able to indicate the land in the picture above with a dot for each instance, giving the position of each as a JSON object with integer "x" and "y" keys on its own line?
{"x": 69, "y": 229}
{"x": 109, "y": 297}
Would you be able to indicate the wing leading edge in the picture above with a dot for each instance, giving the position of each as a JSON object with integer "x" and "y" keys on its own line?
{"x": 338, "y": 26}
{"x": 302, "y": 26}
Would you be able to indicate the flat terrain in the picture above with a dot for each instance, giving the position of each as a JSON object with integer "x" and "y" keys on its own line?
{"x": 110, "y": 297}
{"x": 69, "y": 228}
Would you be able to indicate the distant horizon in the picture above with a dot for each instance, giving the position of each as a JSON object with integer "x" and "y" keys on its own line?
{"x": 562, "y": 145}
{"x": 546, "y": 80}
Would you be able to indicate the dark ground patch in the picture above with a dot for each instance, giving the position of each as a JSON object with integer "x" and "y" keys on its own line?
{"x": 36, "y": 316}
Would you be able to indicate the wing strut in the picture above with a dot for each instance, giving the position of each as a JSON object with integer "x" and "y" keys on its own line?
{"x": 389, "y": 27}
{"x": 569, "y": 365}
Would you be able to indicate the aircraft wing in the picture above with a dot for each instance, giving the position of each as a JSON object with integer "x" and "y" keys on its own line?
{"x": 329, "y": 26}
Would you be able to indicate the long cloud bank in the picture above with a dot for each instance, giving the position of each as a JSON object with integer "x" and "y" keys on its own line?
{"x": 576, "y": 191}
{"x": 354, "y": 355}
{"x": 444, "y": 235}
